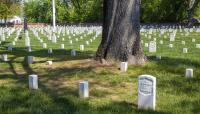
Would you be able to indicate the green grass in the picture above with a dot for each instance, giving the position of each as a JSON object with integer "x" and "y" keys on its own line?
{"x": 111, "y": 91}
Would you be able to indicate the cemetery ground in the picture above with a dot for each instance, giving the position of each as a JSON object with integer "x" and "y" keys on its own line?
{"x": 111, "y": 91}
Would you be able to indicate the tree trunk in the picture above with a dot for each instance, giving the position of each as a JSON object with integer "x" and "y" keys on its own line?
{"x": 190, "y": 11}
{"x": 121, "y": 32}
{"x": 5, "y": 20}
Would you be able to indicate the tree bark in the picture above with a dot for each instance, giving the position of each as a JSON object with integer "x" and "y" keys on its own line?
{"x": 5, "y": 20}
{"x": 190, "y": 11}
{"x": 121, "y": 32}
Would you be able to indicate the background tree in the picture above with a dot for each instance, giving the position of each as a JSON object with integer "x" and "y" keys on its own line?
{"x": 121, "y": 32}
{"x": 9, "y": 8}
{"x": 164, "y": 11}
{"x": 67, "y": 11}
{"x": 3, "y": 11}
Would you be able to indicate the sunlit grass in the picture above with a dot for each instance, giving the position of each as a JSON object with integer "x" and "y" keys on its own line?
{"x": 111, "y": 91}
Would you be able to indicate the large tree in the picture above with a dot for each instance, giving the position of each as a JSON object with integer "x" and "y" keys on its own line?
{"x": 192, "y": 5}
{"x": 121, "y": 32}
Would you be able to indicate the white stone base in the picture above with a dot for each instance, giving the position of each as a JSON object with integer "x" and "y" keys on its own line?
{"x": 73, "y": 52}
{"x": 81, "y": 47}
{"x": 84, "y": 89}
{"x": 50, "y": 51}
{"x": 158, "y": 57}
{"x": 4, "y": 57}
{"x": 33, "y": 81}
{"x": 124, "y": 66}
{"x": 185, "y": 50}
{"x": 30, "y": 59}
{"x": 49, "y": 62}
{"x": 189, "y": 73}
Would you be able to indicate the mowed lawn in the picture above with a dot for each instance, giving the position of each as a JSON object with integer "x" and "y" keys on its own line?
{"x": 111, "y": 91}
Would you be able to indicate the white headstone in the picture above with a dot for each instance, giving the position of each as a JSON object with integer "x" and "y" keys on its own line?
{"x": 29, "y": 49}
{"x": 146, "y": 45}
{"x": 189, "y": 73}
{"x": 158, "y": 57}
{"x": 87, "y": 42}
{"x": 171, "y": 45}
{"x": 10, "y": 48}
{"x": 33, "y": 81}
{"x": 147, "y": 92}
{"x": 91, "y": 40}
{"x": 73, "y": 52}
{"x": 83, "y": 89}
{"x": 81, "y": 47}
{"x": 50, "y": 51}
{"x": 15, "y": 39}
{"x": 49, "y": 62}
{"x": 13, "y": 43}
{"x": 142, "y": 41}
{"x": 152, "y": 46}
{"x": 185, "y": 50}
{"x": 193, "y": 40}
{"x": 44, "y": 45}
{"x": 54, "y": 39}
{"x": 172, "y": 37}
{"x": 183, "y": 42}
{"x": 70, "y": 41}
{"x": 62, "y": 46}
{"x": 197, "y": 45}
{"x": 4, "y": 57}
{"x": 161, "y": 41}
{"x": 124, "y": 66}
{"x": 41, "y": 40}
{"x": 30, "y": 59}
{"x": 49, "y": 37}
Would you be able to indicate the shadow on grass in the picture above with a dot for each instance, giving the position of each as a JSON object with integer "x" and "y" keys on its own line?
{"x": 58, "y": 99}
{"x": 55, "y": 98}
{"x": 193, "y": 104}
{"x": 178, "y": 84}
{"x": 3, "y": 45}
{"x": 174, "y": 65}
{"x": 58, "y": 55}
{"x": 19, "y": 99}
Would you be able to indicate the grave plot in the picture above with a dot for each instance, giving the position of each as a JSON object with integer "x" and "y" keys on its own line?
{"x": 40, "y": 75}
{"x": 171, "y": 42}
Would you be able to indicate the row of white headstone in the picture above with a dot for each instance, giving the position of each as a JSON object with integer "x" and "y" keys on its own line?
{"x": 83, "y": 86}
{"x": 44, "y": 45}
{"x": 153, "y": 47}
{"x": 188, "y": 71}
{"x": 146, "y": 90}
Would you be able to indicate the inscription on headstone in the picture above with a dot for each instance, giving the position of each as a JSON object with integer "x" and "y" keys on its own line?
{"x": 147, "y": 92}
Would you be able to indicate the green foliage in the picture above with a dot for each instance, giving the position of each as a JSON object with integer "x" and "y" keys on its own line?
{"x": 87, "y": 10}
{"x": 8, "y": 9}
{"x": 197, "y": 10}
{"x": 91, "y": 11}
{"x": 164, "y": 11}
{"x": 3, "y": 10}
{"x": 38, "y": 11}
{"x": 82, "y": 11}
